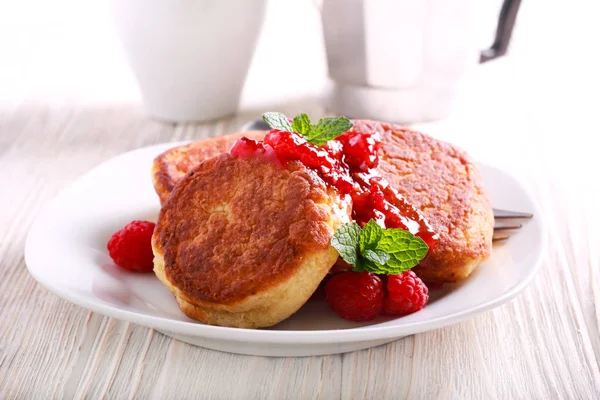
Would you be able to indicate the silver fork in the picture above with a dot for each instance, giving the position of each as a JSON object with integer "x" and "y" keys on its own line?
{"x": 506, "y": 223}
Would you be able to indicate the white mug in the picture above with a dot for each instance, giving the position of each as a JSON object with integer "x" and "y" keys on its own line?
{"x": 402, "y": 60}
{"x": 190, "y": 57}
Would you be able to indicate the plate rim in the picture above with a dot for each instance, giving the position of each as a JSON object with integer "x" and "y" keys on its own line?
{"x": 195, "y": 329}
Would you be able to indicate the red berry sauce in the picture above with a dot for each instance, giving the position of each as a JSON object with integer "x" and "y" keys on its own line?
{"x": 247, "y": 148}
{"x": 348, "y": 163}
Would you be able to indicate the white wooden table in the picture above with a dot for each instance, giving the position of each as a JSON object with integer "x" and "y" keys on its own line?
{"x": 534, "y": 113}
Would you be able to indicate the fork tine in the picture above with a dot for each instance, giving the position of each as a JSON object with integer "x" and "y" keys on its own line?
{"x": 502, "y": 214}
{"x": 507, "y": 227}
{"x": 503, "y": 230}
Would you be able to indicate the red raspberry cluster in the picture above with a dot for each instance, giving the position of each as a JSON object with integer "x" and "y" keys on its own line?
{"x": 131, "y": 247}
{"x": 362, "y": 296}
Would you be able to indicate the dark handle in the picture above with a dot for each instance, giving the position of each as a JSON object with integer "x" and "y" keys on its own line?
{"x": 506, "y": 23}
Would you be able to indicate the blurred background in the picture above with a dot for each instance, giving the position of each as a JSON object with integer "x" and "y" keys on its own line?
{"x": 68, "y": 53}
{"x": 70, "y": 50}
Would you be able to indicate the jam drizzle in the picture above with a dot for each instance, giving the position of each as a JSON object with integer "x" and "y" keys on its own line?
{"x": 348, "y": 163}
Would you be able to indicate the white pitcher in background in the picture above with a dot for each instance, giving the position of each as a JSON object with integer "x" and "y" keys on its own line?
{"x": 190, "y": 57}
{"x": 402, "y": 60}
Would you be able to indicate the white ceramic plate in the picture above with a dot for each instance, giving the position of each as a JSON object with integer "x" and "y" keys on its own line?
{"x": 66, "y": 252}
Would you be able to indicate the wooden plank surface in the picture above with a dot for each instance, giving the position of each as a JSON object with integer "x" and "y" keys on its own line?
{"x": 543, "y": 344}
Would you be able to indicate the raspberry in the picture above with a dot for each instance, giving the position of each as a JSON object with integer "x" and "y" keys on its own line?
{"x": 406, "y": 293}
{"x": 360, "y": 150}
{"x": 293, "y": 146}
{"x": 245, "y": 147}
{"x": 355, "y": 296}
{"x": 131, "y": 247}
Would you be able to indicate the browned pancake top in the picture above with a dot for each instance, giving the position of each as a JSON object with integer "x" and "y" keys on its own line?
{"x": 234, "y": 227}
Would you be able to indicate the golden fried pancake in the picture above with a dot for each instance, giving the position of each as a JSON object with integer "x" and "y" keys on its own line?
{"x": 436, "y": 177}
{"x": 443, "y": 183}
{"x": 244, "y": 242}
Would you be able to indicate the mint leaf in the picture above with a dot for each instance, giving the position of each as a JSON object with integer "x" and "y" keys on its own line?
{"x": 377, "y": 250}
{"x": 345, "y": 241}
{"x": 372, "y": 267}
{"x": 277, "y": 120}
{"x": 360, "y": 266}
{"x": 405, "y": 250}
{"x": 376, "y": 256}
{"x": 328, "y": 129}
{"x": 370, "y": 236}
{"x": 301, "y": 124}
{"x": 364, "y": 265}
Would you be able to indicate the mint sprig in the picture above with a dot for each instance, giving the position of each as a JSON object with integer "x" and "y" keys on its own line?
{"x": 277, "y": 120}
{"x": 325, "y": 130}
{"x": 301, "y": 124}
{"x": 378, "y": 250}
{"x": 345, "y": 241}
